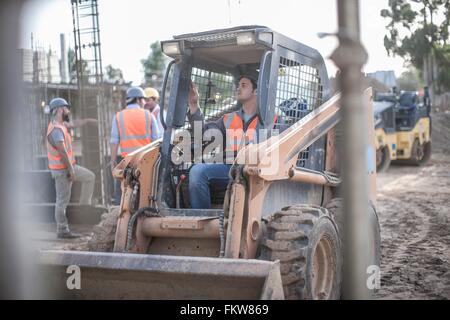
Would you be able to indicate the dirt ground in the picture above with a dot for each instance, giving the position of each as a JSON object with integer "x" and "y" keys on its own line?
{"x": 414, "y": 212}
{"x": 44, "y": 237}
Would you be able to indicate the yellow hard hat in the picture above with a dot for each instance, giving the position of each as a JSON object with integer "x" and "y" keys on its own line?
{"x": 151, "y": 93}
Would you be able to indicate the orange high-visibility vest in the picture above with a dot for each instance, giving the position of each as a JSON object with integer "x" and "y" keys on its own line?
{"x": 234, "y": 126}
{"x": 55, "y": 161}
{"x": 134, "y": 129}
{"x": 235, "y": 135}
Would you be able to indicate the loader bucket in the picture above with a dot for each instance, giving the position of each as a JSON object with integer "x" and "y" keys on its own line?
{"x": 140, "y": 276}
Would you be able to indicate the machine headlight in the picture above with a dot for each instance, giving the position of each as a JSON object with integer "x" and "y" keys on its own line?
{"x": 245, "y": 38}
{"x": 266, "y": 37}
{"x": 171, "y": 48}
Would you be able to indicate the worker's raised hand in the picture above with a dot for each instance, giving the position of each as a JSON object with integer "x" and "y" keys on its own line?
{"x": 193, "y": 98}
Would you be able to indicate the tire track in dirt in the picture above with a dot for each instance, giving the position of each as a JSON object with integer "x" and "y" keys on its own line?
{"x": 398, "y": 238}
{"x": 415, "y": 229}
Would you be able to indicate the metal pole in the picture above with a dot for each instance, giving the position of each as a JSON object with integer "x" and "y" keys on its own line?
{"x": 11, "y": 284}
{"x": 19, "y": 277}
{"x": 350, "y": 57}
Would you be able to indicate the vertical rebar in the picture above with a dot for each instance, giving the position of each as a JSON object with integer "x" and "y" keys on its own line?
{"x": 91, "y": 94}
{"x": 350, "y": 57}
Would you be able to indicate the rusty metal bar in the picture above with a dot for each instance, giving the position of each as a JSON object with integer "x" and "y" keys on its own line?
{"x": 350, "y": 57}
{"x": 14, "y": 267}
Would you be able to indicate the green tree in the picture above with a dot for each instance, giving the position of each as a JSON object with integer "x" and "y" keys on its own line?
{"x": 154, "y": 65}
{"x": 73, "y": 65}
{"x": 443, "y": 75}
{"x": 71, "y": 62}
{"x": 410, "y": 80}
{"x": 114, "y": 75}
{"x": 418, "y": 31}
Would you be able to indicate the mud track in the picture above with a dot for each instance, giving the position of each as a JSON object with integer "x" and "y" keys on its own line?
{"x": 414, "y": 211}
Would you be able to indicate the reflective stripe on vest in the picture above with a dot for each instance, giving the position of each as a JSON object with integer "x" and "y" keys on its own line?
{"x": 134, "y": 129}
{"x": 55, "y": 161}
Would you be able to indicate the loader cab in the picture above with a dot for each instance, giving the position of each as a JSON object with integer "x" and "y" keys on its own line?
{"x": 292, "y": 81}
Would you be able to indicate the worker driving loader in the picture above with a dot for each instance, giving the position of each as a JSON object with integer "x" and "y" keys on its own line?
{"x": 273, "y": 228}
{"x": 233, "y": 128}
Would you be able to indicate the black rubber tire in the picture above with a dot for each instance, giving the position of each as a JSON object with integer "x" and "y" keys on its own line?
{"x": 334, "y": 208}
{"x": 385, "y": 159}
{"x": 300, "y": 236}
{"x": 426, "y": 152}
{"x": 103, "y": 235}
{"x": 420, "y": 154}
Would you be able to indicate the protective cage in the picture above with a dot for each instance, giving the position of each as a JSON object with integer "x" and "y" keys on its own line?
{"x": 292, "y": 82}
{"x": 299, "y": 91}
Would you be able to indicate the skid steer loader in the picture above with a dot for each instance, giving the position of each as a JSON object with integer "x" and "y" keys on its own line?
{"x": 275, "y": 232}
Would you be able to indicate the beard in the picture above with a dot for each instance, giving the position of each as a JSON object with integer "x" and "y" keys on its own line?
{"x": 149, "y": 106}
{"x": 66, "y": 118}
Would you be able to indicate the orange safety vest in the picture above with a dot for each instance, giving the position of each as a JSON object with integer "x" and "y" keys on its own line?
{"x": 55, "y": 161}
{"x": 234, "y": 126}
{"x": 134, "y": 129}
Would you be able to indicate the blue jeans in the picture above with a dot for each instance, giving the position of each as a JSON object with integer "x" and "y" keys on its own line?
{"x": 206, "y": 177}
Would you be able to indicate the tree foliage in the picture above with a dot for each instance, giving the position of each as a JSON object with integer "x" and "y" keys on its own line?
{"x": 444, "y": 70}
{"x": 417, "y": 30}
{"x": 71, "y": 62}
{"x": 73, "y": 65}
{"x": 154, "y": 65}
{"x": 410, "y": 80}
{"x": 114, "y": 75}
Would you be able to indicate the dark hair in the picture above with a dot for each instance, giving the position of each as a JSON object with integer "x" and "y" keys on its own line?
{"x": 134, "y": 100}
{"x": 252, "y": 80}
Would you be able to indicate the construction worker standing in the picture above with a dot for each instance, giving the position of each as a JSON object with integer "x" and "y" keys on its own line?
{"x": 152, "y": 99}
{"x": 61, "y": 162}
{"x": 132, "y": 128}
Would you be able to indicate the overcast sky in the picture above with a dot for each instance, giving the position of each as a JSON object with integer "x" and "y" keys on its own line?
{"x": 127, "y": 28}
